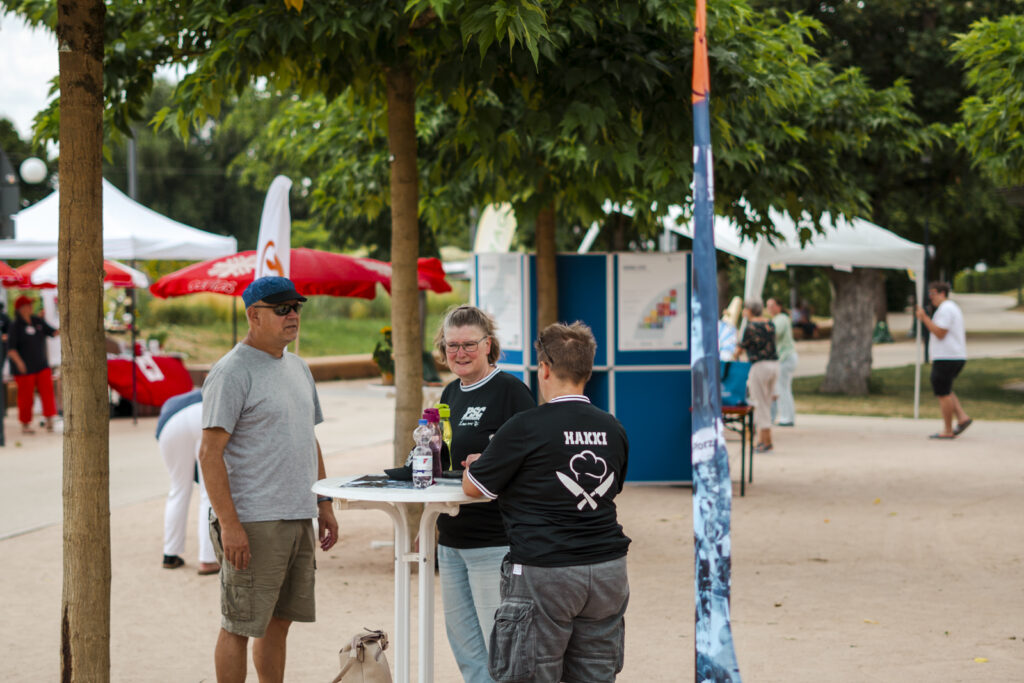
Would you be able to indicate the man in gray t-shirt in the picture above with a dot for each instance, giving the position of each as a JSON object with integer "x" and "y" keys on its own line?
{"x": 260, "y": 458}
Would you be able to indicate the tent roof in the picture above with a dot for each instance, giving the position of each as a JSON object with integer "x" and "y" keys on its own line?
{"x": 130, "y": 231}
{"x": 844, "y": 244}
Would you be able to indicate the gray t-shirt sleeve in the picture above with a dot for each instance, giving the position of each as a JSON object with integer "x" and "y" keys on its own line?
{"x": 318, "y": 415}
{"x": 224, "y": 398}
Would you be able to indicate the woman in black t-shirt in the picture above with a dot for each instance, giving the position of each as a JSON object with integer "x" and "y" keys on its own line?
{"x": 472, "y": 544}
{"x": 26, "y": 347}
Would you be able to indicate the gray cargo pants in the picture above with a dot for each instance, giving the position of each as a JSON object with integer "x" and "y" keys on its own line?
{"x": 560, "y": 623}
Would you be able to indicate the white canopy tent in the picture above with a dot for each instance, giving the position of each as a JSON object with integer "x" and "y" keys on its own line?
{"x": 843, "y": 245}
{"x": 130, "y": 231}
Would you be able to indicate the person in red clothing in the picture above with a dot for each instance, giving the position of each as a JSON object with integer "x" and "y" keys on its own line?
{"x": 26, "y": 347}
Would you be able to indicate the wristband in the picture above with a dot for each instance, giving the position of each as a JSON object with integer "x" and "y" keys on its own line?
{"x": 324, "y": 499}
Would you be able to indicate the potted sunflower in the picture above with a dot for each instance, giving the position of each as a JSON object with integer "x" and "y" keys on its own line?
{"x": 383, "y": 356}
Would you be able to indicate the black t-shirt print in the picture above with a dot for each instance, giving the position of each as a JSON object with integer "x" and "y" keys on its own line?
{"x": 477, "y": 412}
{"x": 556, "y": 471}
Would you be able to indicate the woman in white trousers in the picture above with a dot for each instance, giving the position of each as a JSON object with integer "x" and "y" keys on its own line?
{"x": 179, "y": 446}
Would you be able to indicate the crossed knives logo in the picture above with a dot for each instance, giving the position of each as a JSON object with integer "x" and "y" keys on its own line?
{"x": 586, "y": 464}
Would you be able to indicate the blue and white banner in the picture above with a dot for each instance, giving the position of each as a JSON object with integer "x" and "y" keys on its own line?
{"x": 712, "y": 487}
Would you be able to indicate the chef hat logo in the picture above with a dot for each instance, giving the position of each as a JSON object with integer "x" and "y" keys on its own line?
{"x": 588, "y": 464}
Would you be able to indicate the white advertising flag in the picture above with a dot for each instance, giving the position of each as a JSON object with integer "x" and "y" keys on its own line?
{"x": 274, "y": 248}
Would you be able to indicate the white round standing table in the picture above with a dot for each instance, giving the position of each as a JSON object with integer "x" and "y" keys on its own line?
{"x": 376, "y": 492}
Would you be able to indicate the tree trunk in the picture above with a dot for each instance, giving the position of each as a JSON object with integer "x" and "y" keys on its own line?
{"x": 853, "y": 309}
{"x": 881, "y": 302}
{"x": 618, "y": 237}
{"x": 405, "y": 311}
{"x": 85, "y": 602}
{"x": 547, "y": 273}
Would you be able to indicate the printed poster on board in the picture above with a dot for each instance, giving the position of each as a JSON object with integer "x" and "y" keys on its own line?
{"x": 500, "y": 294}
{"x": 652, "y": 302}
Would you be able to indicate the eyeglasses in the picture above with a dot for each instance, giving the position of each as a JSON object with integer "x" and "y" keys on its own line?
{"x": 468, "y": 347}
{"x": 283, "y": 309}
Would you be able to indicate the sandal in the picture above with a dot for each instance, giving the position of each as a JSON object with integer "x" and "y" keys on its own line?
{"x": 27, "y": 430}
{"x": 207, "y": 568}
{"x": 962, "y": 426}
{"x": 942, "y": 436}
{"x": 763, "y": 448}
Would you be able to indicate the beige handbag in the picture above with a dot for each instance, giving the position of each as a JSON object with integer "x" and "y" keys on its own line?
{"x": 363, "y": 660}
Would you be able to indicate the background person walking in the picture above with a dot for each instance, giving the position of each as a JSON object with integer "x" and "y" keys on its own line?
{"x": 783, "y": 407}
{"x": 30, "y": 364}
{"x": 759, "y": 343}
{"x": 947, "y": 346}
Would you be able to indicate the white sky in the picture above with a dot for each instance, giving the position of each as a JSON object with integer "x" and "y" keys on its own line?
{"x": 28, "y": 60}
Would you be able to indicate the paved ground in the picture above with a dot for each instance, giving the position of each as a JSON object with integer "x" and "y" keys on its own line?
{"x": 862, "y": 552}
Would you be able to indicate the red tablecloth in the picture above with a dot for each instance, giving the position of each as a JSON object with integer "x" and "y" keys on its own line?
{"x": 157, "y": 378}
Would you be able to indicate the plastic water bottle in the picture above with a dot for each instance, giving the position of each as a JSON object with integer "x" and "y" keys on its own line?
{"x": 434, "y": 422}
{"x": 422, "y": 458}
{"x": 445, "y": 412}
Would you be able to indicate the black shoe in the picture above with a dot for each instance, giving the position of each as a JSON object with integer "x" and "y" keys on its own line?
{"x": 173, "y": 562}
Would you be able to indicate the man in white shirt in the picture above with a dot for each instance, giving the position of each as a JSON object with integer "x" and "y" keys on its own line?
{"x": 947, "y": 346}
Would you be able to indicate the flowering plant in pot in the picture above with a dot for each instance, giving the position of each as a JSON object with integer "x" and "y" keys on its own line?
{"x": 383, "y": 356}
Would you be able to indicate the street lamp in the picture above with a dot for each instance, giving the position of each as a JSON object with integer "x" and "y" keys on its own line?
{"x": 33, "y": 170}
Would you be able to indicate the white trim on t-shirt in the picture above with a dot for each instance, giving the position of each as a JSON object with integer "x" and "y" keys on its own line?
{"x": 480, "y": 382}
{"x": 570, "y": 397}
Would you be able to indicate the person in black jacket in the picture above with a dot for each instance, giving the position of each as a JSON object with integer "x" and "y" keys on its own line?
{"x": 26, "y": 347}
{"x": 472, "y": 544}
{"x": 555, "y": 471}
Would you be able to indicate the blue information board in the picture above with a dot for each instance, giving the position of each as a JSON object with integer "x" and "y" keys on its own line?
{"x": 636, "y": 305}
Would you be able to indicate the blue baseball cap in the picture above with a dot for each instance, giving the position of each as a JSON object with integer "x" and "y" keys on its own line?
{"x": 272, "y": 289}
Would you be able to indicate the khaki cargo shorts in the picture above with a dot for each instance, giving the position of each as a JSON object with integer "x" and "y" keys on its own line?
{"x": 278, "y": 582}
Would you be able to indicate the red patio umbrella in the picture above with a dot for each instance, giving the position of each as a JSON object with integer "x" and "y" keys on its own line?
{"x": 430, "y": 274}
{"x": 9, "y": 277}
{"x": 313, "y": 272}
{"x": 42, "y": 274}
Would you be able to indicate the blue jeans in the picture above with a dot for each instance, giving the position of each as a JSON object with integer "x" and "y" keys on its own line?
{"x": 470, "y": 590}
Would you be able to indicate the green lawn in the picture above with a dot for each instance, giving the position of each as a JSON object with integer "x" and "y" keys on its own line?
{"x": 980, "y": 388}
{"x": 319, "y": 336}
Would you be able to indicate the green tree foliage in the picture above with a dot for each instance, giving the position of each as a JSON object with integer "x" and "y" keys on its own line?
{"x": 910, "y": 41}
{"x": 606, "y": 116}
{"x": 189, "y": 180}
{"x": 340, "y": 150}
{"x": 993, "y": 118}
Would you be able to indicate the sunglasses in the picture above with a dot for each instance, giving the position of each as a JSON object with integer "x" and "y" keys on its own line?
{"x": 540, "y": 347}
{"x": 283, "y": 309}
